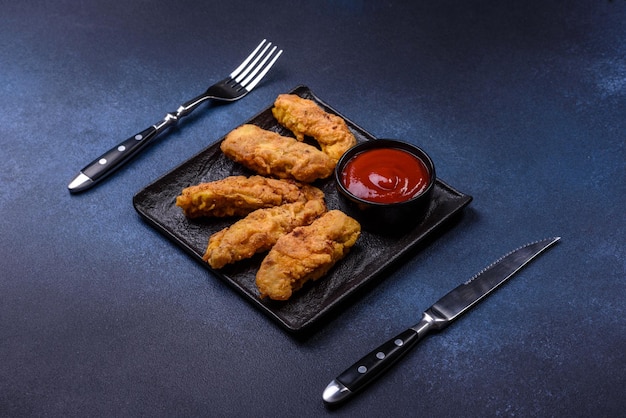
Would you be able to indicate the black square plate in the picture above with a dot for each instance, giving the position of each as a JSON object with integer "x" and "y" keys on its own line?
{"x": 367, "y": 259}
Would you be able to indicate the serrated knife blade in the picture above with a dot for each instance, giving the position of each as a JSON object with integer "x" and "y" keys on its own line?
{"x": 437, "y": 317}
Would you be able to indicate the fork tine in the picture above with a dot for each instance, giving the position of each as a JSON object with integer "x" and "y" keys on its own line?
{"x": 254, "y": 82}
{"x": 251, "y": 66}
{"x": 259, "y": 67}
{"x": 247, "y": 60}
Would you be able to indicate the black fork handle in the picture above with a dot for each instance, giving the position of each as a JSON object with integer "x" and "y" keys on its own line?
{"x": 117, "y": 156}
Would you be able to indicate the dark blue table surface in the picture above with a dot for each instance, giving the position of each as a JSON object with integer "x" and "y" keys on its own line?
{"x": 520, "y": 104}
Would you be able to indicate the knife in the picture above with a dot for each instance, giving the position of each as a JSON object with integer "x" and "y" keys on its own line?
{"x": 437, "y": 317}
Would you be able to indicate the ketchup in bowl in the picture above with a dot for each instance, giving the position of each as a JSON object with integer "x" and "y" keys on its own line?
{"x": 385, "y": 175}
{"x": 385, "y": 184}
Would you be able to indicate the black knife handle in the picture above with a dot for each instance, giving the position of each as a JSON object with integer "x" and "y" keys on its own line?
{"x": 377, "y": 361}
{"x": 117, "y": 156}
{"x": 370, "y": 367}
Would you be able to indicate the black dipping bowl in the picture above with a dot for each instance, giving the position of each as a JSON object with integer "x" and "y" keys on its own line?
{"x": 388, "y": 218}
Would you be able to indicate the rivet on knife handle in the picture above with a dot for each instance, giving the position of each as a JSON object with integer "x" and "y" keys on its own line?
{"x": 438, "y": 316}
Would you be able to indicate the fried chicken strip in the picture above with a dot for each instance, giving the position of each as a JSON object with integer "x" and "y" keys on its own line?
{"x": 306, "y": 253}
{"x": 305, "y": 117}
{"x": 240, "y": 195}
{"x": 259, "y": 231}
{"x": 269, "y": 153}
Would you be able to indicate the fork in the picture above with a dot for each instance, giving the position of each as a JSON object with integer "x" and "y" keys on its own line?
{"x": 239, "y": 83}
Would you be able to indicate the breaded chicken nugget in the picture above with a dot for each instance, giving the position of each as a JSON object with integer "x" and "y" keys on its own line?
{"x": 259, "y": 231}
{"x": 306, "y": 253}
{"x": 305, "y": 117}
{"x": 269, "y": 153}
{"x": 240, "y": 195}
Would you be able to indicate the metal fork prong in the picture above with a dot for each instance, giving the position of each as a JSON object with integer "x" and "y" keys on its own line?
{"x": 258, "y": 68}
{"x": 247, "y": 70}
{"x": 247, "y": 60}
{"x": 254, "y": 82}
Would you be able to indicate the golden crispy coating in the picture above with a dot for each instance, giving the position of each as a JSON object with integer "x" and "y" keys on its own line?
{"x": 240, "y": 195}
{"x": 305, "y": 117}
{"x": 259, "y": 231}
{"x": 306, "y": 253}
{"x": 269, "y": 153}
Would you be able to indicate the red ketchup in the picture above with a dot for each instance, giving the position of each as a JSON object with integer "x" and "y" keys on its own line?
{"x": 385, "y": 175}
